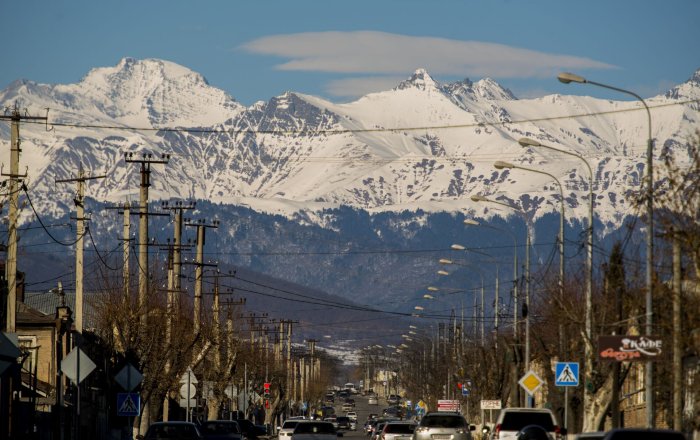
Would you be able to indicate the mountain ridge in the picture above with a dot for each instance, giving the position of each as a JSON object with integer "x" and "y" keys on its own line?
{"x": 422, "y": 145}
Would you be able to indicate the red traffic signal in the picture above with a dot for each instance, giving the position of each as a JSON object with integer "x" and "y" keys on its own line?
{"x": 266, "y": 388}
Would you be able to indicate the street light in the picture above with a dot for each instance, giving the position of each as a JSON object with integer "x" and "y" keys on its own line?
{"x": 471, "y": 222}
{"x": 448, "y": 261}
{"x": 566, "y": 78}
{"x": 527, "y": 142}
{"x": 500, "y": 165}
{"x": 479, "y": 198}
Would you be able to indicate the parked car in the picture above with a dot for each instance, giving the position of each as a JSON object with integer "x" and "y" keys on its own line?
{"x": 398, "y": 431}
{"x": 250, "y": 430}
{"x": 285, "y": 431}
{"x": 443, "y": 426}
{"x": 593, "y": 435}
{"x": 643, "y": 434}
{"x": 511, "y": 420}
{"x": 220, "y": 430}
{"x": 171, "y": 430}
{"x": 314, "y": 430}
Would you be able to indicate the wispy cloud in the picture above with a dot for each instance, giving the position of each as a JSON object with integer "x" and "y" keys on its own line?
{"x": 370, "y": 52}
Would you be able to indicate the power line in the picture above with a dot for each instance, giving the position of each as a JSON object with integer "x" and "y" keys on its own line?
{"x": 358, "y": 130}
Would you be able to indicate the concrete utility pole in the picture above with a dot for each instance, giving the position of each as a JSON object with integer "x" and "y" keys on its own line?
{"x": 677, "y": 359}
{"x": 146, "y": 160}
{"x": 201, "y": 226}
{"x": 80, "y": 219}
{"x": 15, "y": 178}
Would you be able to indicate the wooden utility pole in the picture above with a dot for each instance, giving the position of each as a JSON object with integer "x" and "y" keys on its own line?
{"x": 80, "y": 219}
{"x": 15, "y": 178}
{"x": 146, "y": 161}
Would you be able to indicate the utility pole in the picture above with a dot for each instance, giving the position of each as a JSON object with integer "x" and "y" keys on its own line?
{"x": 146, "y": 161}
{"x": 15, "y": 178}
{"x": 79, "y": 201}
{"x": 201, "y": 226}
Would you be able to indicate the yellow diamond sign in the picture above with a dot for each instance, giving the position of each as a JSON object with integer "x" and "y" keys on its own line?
{"x": 531, "y": 382}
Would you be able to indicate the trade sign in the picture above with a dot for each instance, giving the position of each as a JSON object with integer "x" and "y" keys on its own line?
{"x": 629, "y": 348}
{"x": 531, "y": 382}
{"x": 128, "y": 404}
{"x": 448, "y": 405}
{"x": 566, "y": 374}
{"x": 490, "y": 404}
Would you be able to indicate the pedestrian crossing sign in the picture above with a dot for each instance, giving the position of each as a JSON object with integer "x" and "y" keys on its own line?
{"x": 566, "y": 374}
{"x": 128, "y": 404}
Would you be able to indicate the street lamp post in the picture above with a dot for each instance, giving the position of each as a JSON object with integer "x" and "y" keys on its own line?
{"x": 566, "y": 78}
{"x": 500, "y": 165}
{"x": 478, "y": 198}
{"x": 515, "y": 268}
{"x": 527, "y": 142}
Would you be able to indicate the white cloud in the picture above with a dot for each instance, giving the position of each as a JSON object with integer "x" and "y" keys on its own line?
{"x": 370, "y": 52}
{"x": 354, "y": 87}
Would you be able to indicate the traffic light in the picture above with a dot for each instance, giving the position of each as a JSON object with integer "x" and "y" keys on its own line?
{"x": 266, "y": 389}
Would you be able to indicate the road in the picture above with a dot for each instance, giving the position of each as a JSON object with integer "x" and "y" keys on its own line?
{"x": 363, "y": 410}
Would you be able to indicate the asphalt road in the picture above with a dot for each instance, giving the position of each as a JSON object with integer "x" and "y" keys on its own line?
{"x": 363, "y": 410}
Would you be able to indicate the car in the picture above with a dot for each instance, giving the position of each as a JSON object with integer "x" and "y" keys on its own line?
{"x": 643, "y": 434}
{"x": 347, "y": 407}
{"x": 333, "y": 420}
{"x": 393, "y": 399}
{"x": 315, "y": 430}
{"x": 377, "y": 430}
{"x": 285, "y": 431}
{"x": 250, "y": 430}
{"x": 592, "y": 435}
{"x": 352, "y": 415}
{"x": 398, "y": 431}
{"x": 511, "y": 420}
{"x": 443, "y": 426}
{"x": 220, "y": 430}
{"x": 171, "y": 430}
{"x": 343, "y": 422}
{"x": 372, "y": 400}
{"x": 353, "y": 425}
{"x": 392, "y": 411}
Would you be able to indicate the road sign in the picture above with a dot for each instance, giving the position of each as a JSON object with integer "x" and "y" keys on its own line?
{"x": 186, "y": 390}
{"x": 566, "y": 374}
{"x": 128, "y": 404}
{"x": 490, "y": 404}
{"x": 129, "y": 377}
{"x": 531, "y": 382}
{"x": 8, "y": 347}
{"x": 448, "y": 405}
{"x": 73, "y": 369}
{"x": 465, "y": 391}
{"x": 189, "y": 377}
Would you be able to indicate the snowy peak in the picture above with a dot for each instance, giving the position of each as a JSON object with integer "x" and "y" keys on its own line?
{"x": 689, "y": 89}
{"x": 140, "y": 93}
{"x": 420, "y": 80}
{"x": 491, "y": 90}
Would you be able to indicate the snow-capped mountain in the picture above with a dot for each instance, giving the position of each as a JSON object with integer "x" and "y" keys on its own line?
{"x": 422, "y": 145}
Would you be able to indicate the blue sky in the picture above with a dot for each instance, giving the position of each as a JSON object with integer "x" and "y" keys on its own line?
{"x": 339, "y": 50}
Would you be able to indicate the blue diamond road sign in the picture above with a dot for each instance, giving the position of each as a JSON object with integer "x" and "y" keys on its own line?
{"x": 566, "y": 374}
